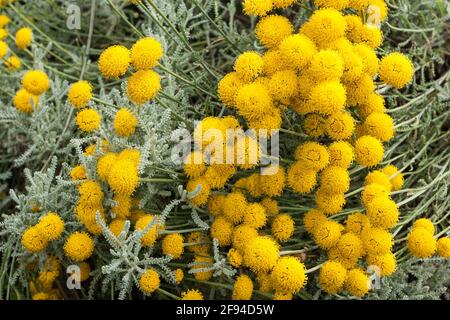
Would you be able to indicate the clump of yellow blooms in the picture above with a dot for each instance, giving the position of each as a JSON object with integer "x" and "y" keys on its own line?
{"x": 326, "y": 73}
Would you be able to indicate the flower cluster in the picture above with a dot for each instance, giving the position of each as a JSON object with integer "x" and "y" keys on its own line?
{"x": 325, "y": 73}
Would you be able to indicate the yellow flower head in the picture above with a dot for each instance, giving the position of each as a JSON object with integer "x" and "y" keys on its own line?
{"x": 150, "y": 237}
{"x": 333, "y": 4}
{"x": 145, "y": 53}
{"x": 353, "y": 65}
{"x": 123, "y": 177}
{"x": 143, "y": 86}
{"x": 329, "y": 203}
{"x": 326, "y": 65}
{"x": 380, "y": 126}
{"x": 179, "y": 275}
{"x": 85, "y": 271}
{"x": 283, "y": 85}
{"x": 312, "y": 219}
{"x": 248, "y": 152}
{"x": 33, "y": 240}
{"x": 191, "y": 294}
{"x": 88, "y": 120}
{"x": 211, "y": 131}
{"x": 374, "y": 103}
{"x": 228, "y": 87}
{"x": 396, "y": 70}
{"x": 202, "y": 262}
{"x": 377, "y": 241}
{"x": 201, "y": 240}
{"x": 202, "y": 186}
{"x": 261, "y": 254}
{"x": 12, "y": 63}
{"x": 395, "y": 176}
{"x": 4, "y": 20}
{"x": 104, "y": 165}
{"x": 328, "y": 97}
{"x": 78, "y": 173}
{"x": 149, "y": 281}
{"x": 382, "y": 212}
{"x": 373, "y": 191}
{"x": 243, "y": 288}
{"x": 222, "y": 230}
{"x": 117, "y": 226}
{"x": 234, "y": 257}
{"x": 272, "y": 30}
{"x": 91, "y": 193}
{"x": 332, "y": 277}
{"x": 125, "y": 122}
{"x": 334, "y": 180}
{"x": 358, "y": 4}
{"x": 51, "y": 226}
{"x": 234, "y": 207}
{"x": 359, "y": 90}
{"x": 253, "y": 101}
{"x": 288, "y": 275}
{"x": 122, "y": 207}
{"x": 427, "y": 224}
{"x": 368, "y": 57}
{"x": 257, "y": 7}
{"x": 312, "y": 155}
{"x": 421, "y": 243}
{"x": 386, "y": 263}
{"x": 215, "y": 204}
{"x": 369, "y": 35}
{"x": 301, "y": 179}
{"x": 356, "y": 223}
{"x": 24, "y": 36}
{"x": 327, "y": 233}
{"x": 242, "y": 235}
{"x": 114, "y": 61}
{"x": 35, "y": 82}
{"x": 369, "y": 151}
{"x": 325, "y": 26}
{"x": 282, "y": 4}
{"x": 80, "y": 93}
{"x": 314, "y": 125}
{"x": 249, "y": 65}
{"x": 350, "y": 246}
{"x": 79, "y": 246}
{"x": 377, "y": 8}
{"x": 3, "y": 49}
{"x": 357, "y": 283}
{"x": 378, "y": 177}
{"x": 297, "y": 50}
{"x": 341, "y": 154}
{"x": 443, "y": 247}
{"x": 273, "y": 62}
{"x": 271, "y": 206}
{"x": 172, "y": 245}
{"x": 25, "y": 101}
{"x": 255, "y": 216}
{"x": 272, "y": 181}
{"x": 340, "y": 126}
{"x": 282, "y": 227}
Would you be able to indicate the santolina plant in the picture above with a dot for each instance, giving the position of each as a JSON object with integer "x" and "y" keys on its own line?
{"x": 265, "y": 163}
